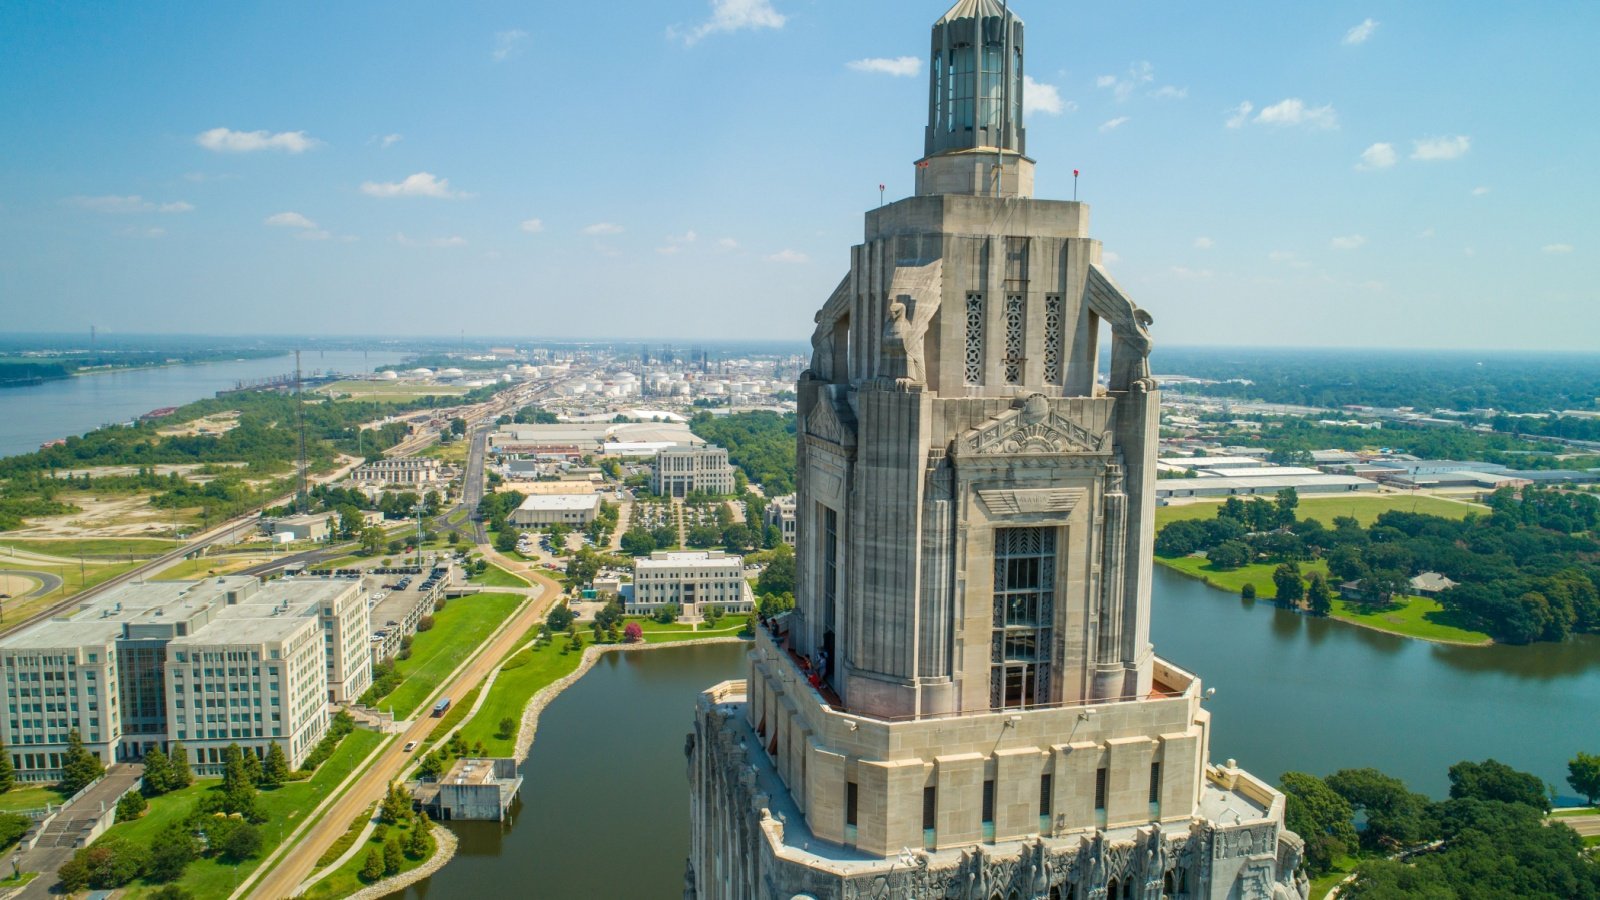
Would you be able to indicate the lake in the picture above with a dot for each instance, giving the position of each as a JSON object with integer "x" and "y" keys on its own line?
{"x": 605, "y": 803}
{"x": 38, "y": 413}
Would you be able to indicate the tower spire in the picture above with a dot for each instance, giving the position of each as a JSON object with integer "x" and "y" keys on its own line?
{"x": 975, "y": 93}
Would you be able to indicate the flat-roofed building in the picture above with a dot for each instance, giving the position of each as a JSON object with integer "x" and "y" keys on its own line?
{"x": 693, "y": 579}
{"x": 410, "y": 470}
{"x": 681, "y": 471}
{"x": 780, "y": 514}
{"x": 208, "y": 663}
{"x": 551, "y": 509}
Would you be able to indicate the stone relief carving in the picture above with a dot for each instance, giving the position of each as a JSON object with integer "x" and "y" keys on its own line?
{"x": 1033, "y": 428}
{"x": 822, "y": 337}
{"x": 1031, "y": 500}
{"x": 1130, "y": 331}
{"x": 914, "y": 299}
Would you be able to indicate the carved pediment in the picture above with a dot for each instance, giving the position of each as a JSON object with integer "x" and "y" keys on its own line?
{"x": 824, "y": 422}
{"x": 1033, "y": 428}
{"x": 1031, "y": 500}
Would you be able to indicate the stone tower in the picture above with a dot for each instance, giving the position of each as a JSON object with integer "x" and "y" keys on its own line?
{"x": 965, "y": 702}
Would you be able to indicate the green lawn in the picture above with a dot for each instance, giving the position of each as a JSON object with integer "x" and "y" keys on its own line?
{"x": 345, "y": 880}
{"x": 727, "y": 626}
{"x": 1234, "y": 580}
{"x": 457, "y": 631}
{"x": 285, "y": 807}
{"x": 458, "y": 711}
{"x": 24, "y": 797}
{"x": 1365, "y": 509}
{"x": 494, "y": 576}
{"x": 1321, "y": 885}
{"x": 1572, "y": 812}
{"x": 523, "y": 675}
{"x": 117, "y": 547}
{"x": 1420, "y": 617}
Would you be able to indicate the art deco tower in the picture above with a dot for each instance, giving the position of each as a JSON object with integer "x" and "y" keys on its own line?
{"x": 965, "y": 702}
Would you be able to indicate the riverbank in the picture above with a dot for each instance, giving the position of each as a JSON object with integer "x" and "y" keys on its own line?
{"x": 1420, "y": 618}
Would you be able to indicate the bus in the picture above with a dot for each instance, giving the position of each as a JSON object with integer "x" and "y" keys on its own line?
{"x": 440, "y": 707}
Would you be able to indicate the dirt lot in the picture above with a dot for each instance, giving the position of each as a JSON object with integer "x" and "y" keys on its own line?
{"x": 109, "y": 516}
{"x": 186, "y": 470}
{"x": 221, "y": 423}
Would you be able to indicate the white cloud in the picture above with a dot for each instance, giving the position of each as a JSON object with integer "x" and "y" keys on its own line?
{"x": 1479, "y": 191}
{"x": 676, "y": 242}
{"x": 132, "y": 203}
{"x": 1204, "y": 243}
{"x": 532, "y": 226}
{"x": 421, "y": 184}
{"x": 602, "y": 228}
{"x": 900, "y": 66}
{"x": 1293, "y": 111}
{"x": 1122, "y": 87}
{"x": 1348, "y": 242}
{"x": 728, "y": 16}
{"x": 1378, "y": 156}
{"x": 1425, "y": 233}
{"x": 1557, "y": 248}
{"x": 506, "y": 44}
{"x": 1113, "y": 124}
{"x": 1038, "y": 97}
{"x": 1288, "y": 258}
{"x": 226, "y": 140}
{"x": 1436, "y": 149}
{"x": 454, "y": 240}
{"x": 1110, "y": 257}
{"x": 1169, "y": 92}
{"x": 1189, "y": 274}
{"x": 1360, "y": 33}
{"x": 389, "y": 140}
{"x": 788, "y": 256}
{"x": 1240, "y": 114}
{"x": 289, "y": 220}
{"x": 727, "y": 244}
{"x": 151, "y": 232}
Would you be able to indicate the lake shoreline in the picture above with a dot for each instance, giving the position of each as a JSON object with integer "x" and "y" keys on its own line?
{"x": 1487, "y": 642}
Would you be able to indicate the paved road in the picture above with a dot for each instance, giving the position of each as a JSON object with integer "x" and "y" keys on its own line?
{"x": 47, "y": 582}
{"x": 299, "y": 861}
{"x": 472, "y": 485}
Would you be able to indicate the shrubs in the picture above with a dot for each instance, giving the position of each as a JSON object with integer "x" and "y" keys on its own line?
{"x": 667, "y": 613}
{"x": 131, "y": 806}
{"x": 341, "y": 725}
{"x": 12, "y": 828}
{"x": 507, "y": 729}
{"x": 425, "y": 624}
{"x": 633, "y": 633}
{"x": 111, "y": 863}
{"x": 384, "y": 680}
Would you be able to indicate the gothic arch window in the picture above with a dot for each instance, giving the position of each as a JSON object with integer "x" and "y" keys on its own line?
{"x": 1015, "y": 322}
{"x": 974, "y": 360}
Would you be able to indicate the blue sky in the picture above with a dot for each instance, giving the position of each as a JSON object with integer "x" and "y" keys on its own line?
{"x": 1335, "y": 174}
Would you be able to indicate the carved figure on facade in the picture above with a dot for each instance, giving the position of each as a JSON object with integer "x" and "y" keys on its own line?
{"x": 1130, "y": 331}
{"x": 823, "y": 337}
{"x": 1032, "y": 427}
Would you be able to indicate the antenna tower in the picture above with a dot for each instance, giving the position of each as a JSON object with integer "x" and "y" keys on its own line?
{"x": 302, "y": 498}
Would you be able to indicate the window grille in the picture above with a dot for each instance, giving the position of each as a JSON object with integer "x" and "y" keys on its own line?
{"x": 974, "y": 338}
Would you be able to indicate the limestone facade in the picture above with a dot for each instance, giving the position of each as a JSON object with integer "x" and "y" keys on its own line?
{"x": 965, "y": 701}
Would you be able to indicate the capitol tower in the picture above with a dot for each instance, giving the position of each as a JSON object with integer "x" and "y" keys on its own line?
{"x": 965, "y": 702}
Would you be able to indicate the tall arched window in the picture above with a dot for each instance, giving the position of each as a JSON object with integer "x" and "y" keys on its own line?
{"x": 963, "y": 80}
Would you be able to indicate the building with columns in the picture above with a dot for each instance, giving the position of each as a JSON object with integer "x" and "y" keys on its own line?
{"x": 965, "y": 702}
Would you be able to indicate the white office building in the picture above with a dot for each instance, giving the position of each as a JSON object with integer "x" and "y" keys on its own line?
{"x": 693, "y": 579}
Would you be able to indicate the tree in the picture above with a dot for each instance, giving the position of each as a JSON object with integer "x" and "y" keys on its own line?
{"x": 371, "y": 540}
{"x": 458, "y": 426}
{"x": 79, "y": 767}
{"x": 1395, "y": 816}
{"x": 1291, "y": 589}
{"x": 1181, "y": 538}
{"x": 638, "y": 542}
{"x": 779, "y": 575}
{"x": 372, "y": 866}
{"x": 240, "y": 842}
{"x": 181, "y": 776}
{"x": 170, "y": 892}
{"x": 667, "y": 613}
{"x": 417, "y": 843}
{"x": 632, "y": 634}
{"x": 131, "y": 806}
{"x": 276, "y": 769}
{"x": 505, "y": 540}
{"x": 713, "y": 613}
{"x": 1320, "y": 816}
{"x": 396, "y": 805}
{"x": 1494, "y": 780}
{"x": 507, "y": 729}
{"x": 1248, "y": 592}
{"x": 157, "y": 773}
{"x": 8, "y": 772}
{"x": 559, "y": 618}
{"x": 238, "y": 788}
{"x": 432, "y": 766}
{"x": 1318, "y": 596}
{"x": 1583, "y": 774}
{"x": 775, "y": 604}
{"x": 1229, "y": 555}
{"x": 393, "y": 857}
{"x": 252, "y": 768}
{"x": 1286, "y": 501}
{"x": 172, "y": 852}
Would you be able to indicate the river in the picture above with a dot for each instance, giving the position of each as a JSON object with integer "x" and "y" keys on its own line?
{"x": 605, "y": 809}
{"x": 34, "y": 414}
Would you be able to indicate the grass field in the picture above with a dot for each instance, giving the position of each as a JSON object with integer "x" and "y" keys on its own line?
{"x": 29, "y": 797}
{"x": 523, "y": 675}
{"x": 1572, "y": 812}
{"x": 1234, "y": 580}
{"x": 656, "y": 633}
{"x": 1321, "y": 885}
{"x": 285, "y": 807}
{"x": 117, "y": 548}
{"x": 457, "y": 631}
{"x": 345, "y": 880}
{"x": 1420, "y": 617}
{"x": 223, "y": 564}
{"x": 1365, "y": 509}
{"x": 494, "y": 576}
{"x": 73, "y": 582}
